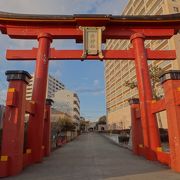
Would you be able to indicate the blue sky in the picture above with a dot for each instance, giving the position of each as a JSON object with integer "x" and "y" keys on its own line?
{"x": 87, "y": 77}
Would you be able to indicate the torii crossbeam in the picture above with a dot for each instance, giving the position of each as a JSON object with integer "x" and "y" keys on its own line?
{"x": 54, "y": 54}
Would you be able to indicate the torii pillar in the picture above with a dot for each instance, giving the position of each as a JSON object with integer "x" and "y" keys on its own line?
{"x": 36, "y": 122}
{"x": 151, "y": 134}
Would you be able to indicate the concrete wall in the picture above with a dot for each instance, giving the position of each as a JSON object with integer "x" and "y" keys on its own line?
{"x": 120, "y": 119}
{"x": 102, "y": 126}
{"x": 64, "y": 100}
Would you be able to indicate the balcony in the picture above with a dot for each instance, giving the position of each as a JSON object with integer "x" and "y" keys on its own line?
{"x": 76, "y": 117}
{"x": 76, "y": 96}
{"x": 76, "y": 110}
{"x": 76, "y": 103}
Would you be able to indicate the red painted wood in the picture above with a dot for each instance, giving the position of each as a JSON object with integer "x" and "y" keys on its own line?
{"x": 26, "y": 159}
{"x": 68, "y": 54}
{"x": 13, "y": 129}
{"x": 36, "y": 121}
{"x": 113, "y": 32}
{"x": 158, "y": 106}
{"x": 161, "y": 54}
{"x": 30, "y": 107}
{"x": 177, "y": 96}
{"x": 4, "y": 168}
{"x": 136, "y": 134}
{"x": 164, "y": 157}
{"x": 149, "y": 124}
{"x": 47, "y": 131}
{"x": 73, "y": 32}
{"x": 76, "y": 54}
{"x": 173, "y": 114}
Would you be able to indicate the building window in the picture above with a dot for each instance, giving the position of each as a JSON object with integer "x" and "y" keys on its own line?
{"x": 176, "y": 9}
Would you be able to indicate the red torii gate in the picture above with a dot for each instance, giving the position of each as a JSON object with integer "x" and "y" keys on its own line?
{"x": 45, "y": 28}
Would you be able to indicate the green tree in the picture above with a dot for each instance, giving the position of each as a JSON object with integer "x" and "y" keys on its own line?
{"x": 102, "y": 120}
{"x": 154, "y": 72}
{"x": 66, "y": 124}
{"x": 83, "y": 125}
{"x": 63, "y": 124}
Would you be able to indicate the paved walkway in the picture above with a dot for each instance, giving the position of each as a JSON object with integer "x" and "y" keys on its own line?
{"x": 93, "y": 157}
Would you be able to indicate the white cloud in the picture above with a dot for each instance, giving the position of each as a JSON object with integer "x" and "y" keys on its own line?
{"x": 98, "y": 93}
{"x": 96, "y": 82}
{"x": 85, "y": 78}
{"x": 56, "y": 74}
{"x": 88, "y": 90}
{"x": 94, "y": 90}
{"x": 55, "y": 69}
{"x": 63, "y": 6}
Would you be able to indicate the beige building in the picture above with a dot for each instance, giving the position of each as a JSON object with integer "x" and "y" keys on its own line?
{"x": 68, "y": 102}
{"x": 53, "y": 86}
{"x": 56, "y": 115}
{"x": 118, "y": 72}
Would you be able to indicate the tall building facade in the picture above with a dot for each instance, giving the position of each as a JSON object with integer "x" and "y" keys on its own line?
{"x": 119, "y": 71}
{"x": 53, "y": 85}
{"x": 68, "y": 102}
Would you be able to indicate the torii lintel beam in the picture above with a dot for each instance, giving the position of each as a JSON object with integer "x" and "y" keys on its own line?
{"x": 25, "y": 26}
{"x": 76, "y": 54}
